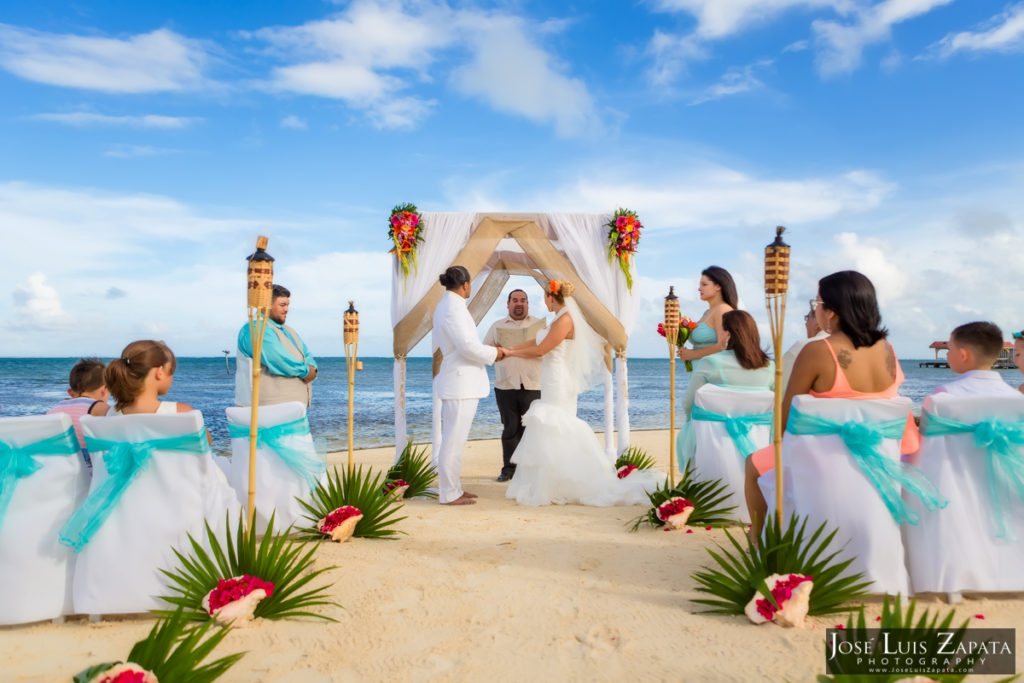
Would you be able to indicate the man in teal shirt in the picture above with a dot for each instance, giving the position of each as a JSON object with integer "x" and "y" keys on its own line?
{"x": 288, "y": 369}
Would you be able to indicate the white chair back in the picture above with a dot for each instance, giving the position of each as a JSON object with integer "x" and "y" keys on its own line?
{"x": 243, "y": 380}
{"x": 277, "y": 484}
{"x": 716, "y": 455}
{"x": 958, "y": 548}
{"x": 825, "y": 484}
{"x": 118, "y": 570}
{"x": 35, "y": 569}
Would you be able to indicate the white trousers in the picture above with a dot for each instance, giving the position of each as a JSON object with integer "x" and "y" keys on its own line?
{"x": 456, "y": 419}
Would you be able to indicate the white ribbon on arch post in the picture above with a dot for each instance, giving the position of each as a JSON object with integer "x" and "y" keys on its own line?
{"x": 582, "y": 238}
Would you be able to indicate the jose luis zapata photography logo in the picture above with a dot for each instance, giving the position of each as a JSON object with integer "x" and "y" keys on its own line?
{"x": 921, "y": 651}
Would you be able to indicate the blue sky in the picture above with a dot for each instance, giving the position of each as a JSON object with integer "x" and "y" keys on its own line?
{"x": 146, "y": 144}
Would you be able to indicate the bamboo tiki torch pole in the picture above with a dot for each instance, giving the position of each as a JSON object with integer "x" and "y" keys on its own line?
{"x": 672, "y": 335}
{"x": 260, "y": 277}
{"x": 776, "y": 285}
{"x": 351, "y": 339}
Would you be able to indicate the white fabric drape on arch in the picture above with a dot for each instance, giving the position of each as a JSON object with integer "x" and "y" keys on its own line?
{"x": 445, "y": 234}
{"x": 583, "y": 239}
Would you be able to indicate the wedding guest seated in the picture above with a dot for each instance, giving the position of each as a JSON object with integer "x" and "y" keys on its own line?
{"x": 854, "y": 362}
{"x": 814, "y": 333}
{"x": 1018, "y": 354}
{"x": 140, "y": 376}
{"x": 719, "y": 291}
{"x": 88, "y": 394}
{"x": 741, "y": 365}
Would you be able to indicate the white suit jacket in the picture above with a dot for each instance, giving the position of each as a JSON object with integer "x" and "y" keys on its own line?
{"x": 462, "y": 372}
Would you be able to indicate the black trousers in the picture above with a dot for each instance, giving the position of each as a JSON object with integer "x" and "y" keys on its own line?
{"x": 512, "y": 404}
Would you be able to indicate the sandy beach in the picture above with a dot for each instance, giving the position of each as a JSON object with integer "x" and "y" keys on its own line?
{"x": 496, "y": 591}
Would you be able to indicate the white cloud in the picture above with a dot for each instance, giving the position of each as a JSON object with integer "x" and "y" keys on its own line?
{"x": 735, "y": 81}
{"x": 82, "y": 118}
{"x": 513, "y": 74}
{"x": 37, "y": 306}
{"x": 1002, "y": 33}
{"x": 158, "y": 61}
{"x": 841, "y": 45}
{"x": 355, "y": 57}
{"x": 293, "y": 122}
{"x": 720, "y": 18}
{"x": 135, "y": 151}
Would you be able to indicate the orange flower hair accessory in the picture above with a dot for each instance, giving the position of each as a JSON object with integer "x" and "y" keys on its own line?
{"x": 553, "y": 287}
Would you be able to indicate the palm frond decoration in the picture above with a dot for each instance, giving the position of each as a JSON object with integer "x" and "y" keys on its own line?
{"x": 414, "y": 467}
{"x": 634, "y": 455}
{"x": 276, "y": 558}
{"x": 741, "y": 569}
{"x": 173, "y": 651}
{"x": 361, "y": 489}
{"x": 905, "y": 626}
{"x": 708, "y": 498}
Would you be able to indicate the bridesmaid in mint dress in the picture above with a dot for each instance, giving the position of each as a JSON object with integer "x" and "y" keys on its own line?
{"x": 719, "y": 291}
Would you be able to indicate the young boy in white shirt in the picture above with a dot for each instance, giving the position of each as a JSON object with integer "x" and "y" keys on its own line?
{"x": 973, "y": 348}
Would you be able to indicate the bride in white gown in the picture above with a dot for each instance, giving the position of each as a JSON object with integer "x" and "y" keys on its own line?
{"x": 559, "y": 459}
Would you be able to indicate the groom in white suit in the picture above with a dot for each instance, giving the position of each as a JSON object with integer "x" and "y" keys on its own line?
{"x": 461, "y": 382}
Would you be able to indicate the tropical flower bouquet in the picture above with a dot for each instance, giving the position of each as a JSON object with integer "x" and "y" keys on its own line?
{"x": 340, "y": 524}
{"x": 356, "y": 488}
{"x": 686, "y": 326}
{"x": 707, "y": 501}
{"x": 626, "y": 470}
{"x": 675, "y": 511}
{"x": 413, "y": 467}
{"x": 173, "y": 651}
{"x": 790, "y": 598}
{"x": 242, "y": 577}
{"x": 623, "y": 236}
{"x": 396, "y": 488}
{"x": 405, "y": 230}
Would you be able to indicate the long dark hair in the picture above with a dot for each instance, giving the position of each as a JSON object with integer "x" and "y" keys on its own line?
{"x": 720, "y": 276}
{"x": 454, "y": 277}
{"x": 125, "y": 377}
{"x": 851, "y": 296}
{"x": 744, "y": 339}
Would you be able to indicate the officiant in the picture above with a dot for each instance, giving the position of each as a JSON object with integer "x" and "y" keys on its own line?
{"x": 516, "y": 380}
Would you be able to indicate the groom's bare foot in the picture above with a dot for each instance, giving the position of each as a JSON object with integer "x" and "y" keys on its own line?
{"x": 464, "y": 499}
{"x": 467, "y": 494}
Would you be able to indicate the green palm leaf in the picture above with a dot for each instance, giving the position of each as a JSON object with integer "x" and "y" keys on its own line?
{"x": 360, "y": 489}
{"x": 708, "y": 498}
{"x": 174, "y": 652}
{"x": 922, "y": 630}
{"x": 414, "y": 467}
{"x": 634, "y": 455}
{"x": 286, "y": 563}
{"x": 740, "y": 569}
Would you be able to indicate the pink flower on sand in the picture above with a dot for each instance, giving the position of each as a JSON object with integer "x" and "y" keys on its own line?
{"x": 626, "y": 470}
{"x": 792, "y": 594}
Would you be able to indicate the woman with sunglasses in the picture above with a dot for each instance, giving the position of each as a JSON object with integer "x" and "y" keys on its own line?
{"x": 814, "y": 333}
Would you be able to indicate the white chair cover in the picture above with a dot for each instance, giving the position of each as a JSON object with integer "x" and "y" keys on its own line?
{"x": 277, "y": 485}
{"x": 35, "y": 569}
{"x": 821, "y": 481}
{"x": 118, "y": 571}
{"x": 716, "y": 455}
{"x": 955, "y": 549}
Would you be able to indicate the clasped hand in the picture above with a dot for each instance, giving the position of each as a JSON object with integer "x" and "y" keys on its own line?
{"x": 503, "y": 353}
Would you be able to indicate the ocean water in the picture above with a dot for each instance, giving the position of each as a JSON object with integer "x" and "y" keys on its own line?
{"x": 30, "y": 386}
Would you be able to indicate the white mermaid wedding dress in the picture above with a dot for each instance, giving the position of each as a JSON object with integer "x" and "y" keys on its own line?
{"x": 559, "y": 459}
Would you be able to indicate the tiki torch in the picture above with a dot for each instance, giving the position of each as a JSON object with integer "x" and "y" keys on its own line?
{"x": 776, "y": 284}
{"x": 260, "y": 277}
{"x": 671, "y": 325}
{"x": 351, "y": 339}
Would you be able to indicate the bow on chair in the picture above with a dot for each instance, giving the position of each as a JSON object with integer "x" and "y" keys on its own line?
{"x": 1002, "y": 441}
{"x": 123, "y": 460}
{"x": 737, "y": 427}
{"x": 17, "y": 462}
{"x": 864, "y": 439}
{"x": 308, "y": 467}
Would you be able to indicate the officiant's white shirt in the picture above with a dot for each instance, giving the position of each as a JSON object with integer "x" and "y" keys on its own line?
{"x": 515, "y": 373}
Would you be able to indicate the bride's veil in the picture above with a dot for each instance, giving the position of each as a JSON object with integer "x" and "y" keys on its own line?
{"x": 588, "y": 367}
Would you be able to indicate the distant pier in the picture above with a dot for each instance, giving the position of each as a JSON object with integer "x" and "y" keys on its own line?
{"x": 1004, "y": 362}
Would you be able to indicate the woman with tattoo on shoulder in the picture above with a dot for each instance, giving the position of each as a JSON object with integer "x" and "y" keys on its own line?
{"x": 855, "y": 361}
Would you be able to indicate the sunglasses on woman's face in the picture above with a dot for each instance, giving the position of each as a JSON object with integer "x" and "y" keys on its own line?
{"x": 815, "y": 303}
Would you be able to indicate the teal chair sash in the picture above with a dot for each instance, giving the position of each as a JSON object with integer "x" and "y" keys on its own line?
{"x": 1003, "y": 443}
{"x": 308, "y": 468}
{"x": 124, "y": 460}
{"x": 18, "y": 462}
{"x": 737, "y": 427}
{"x": 863, "y": 439}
